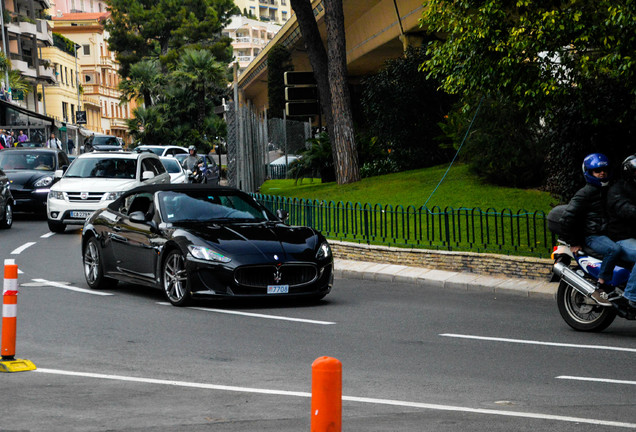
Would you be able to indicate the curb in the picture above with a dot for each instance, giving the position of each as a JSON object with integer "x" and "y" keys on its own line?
{"x": 462, "y": 281}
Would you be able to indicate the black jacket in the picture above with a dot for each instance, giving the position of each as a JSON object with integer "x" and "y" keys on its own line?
{"x": 621, "y": 205}
{"x": 585, "y": 215}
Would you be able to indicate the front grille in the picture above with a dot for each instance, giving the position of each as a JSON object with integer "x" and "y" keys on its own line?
{"x": 286, "y": 274}
{"x": 20, "y": 194}
{"x": 77, "y": 196}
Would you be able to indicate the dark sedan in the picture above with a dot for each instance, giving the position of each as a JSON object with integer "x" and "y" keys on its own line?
{"x": 31, "y": 172}
{"x": 200, "y": 241}
{"x": 6, "y": 202}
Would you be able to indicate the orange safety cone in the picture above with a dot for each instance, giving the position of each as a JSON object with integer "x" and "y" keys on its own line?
{"x": 9, "y": 318}
{"x": 326, "y": 395}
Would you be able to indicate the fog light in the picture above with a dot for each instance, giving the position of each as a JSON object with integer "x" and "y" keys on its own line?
{"x": 54, "y": 215}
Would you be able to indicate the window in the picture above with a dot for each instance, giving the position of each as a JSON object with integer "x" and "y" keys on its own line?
{"x": 87, "y": 48}
{"x": 65, "y": 111}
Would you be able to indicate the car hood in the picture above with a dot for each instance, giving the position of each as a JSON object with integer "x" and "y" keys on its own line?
{"x": 94, "y": 184}
{"x": 26, "y": 177}
{"x": 246, "y": 243}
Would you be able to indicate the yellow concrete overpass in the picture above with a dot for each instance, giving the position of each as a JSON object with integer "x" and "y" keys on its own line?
{"x": 376, "y": 30}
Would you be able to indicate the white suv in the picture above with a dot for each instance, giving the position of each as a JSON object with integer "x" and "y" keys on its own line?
{"x": 96, "y": 179}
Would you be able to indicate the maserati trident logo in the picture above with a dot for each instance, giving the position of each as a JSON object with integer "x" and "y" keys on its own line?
{"x": 277, "y": 276}
{"x": 84, "y": 195}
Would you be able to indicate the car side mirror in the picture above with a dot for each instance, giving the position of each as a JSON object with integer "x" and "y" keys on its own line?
{"x": 58, "y": 174}
{"x": 137, "y": 217}
{"x": 282, "y": 214}
{"x": 147, "y": 175}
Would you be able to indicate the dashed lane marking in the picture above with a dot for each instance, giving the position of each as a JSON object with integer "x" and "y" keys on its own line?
{"x": 67, "y": 286}
{"x": 603, "y": 380}
{"x": 47, "y": 235}
{"x": 533, "y": 342}
{"x": 429, "y": 406}
{"x": 255, "y": 315}
{"x": 21, "y": 249}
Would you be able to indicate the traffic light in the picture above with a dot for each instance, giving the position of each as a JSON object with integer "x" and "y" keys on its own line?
{"x": 301, "y": 94}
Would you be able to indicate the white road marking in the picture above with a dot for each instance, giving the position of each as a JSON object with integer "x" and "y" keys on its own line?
{"x": 531, "y": 342}
{"x": 47, "y": 235}
{"x": 11, "y": 261}
{"x": 255, "y": 315}
{"x": 604, "y": 380}
{"x": 19, "y": 250}
{"x": 399, "y": 403}
{"x": 67, "y": 286}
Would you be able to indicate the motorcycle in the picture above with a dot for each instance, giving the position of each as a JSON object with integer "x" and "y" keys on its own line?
{"x": 577, "y": 275}
{"x": 198, "y": 174}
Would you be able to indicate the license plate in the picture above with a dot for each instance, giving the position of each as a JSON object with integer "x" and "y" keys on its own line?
{"x": 81, "y": 214}
{"x": 277, "y": 289}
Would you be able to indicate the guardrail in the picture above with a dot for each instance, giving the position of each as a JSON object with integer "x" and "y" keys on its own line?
{"x": 467, "y": 229}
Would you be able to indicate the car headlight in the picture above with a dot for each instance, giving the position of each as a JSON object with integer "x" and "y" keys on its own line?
{"x": 112, "y": 196}
{"x": 204, "y": 253}
{"x": 43, "y": 182}
{"x": 56, "y": 195}
{"x": 324, "y": 251}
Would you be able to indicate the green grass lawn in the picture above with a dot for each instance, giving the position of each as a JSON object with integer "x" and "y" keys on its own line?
{"x": 459, "y": 189}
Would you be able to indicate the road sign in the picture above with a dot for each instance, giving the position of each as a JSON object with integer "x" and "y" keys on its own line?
{"x": 80, "y": 117}
{"x": 302, "y": 109}
{"x": 299, "y": 78}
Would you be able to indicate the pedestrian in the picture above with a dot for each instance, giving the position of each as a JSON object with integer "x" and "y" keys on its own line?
{"x": 4, "y": 139}
{"x": 12, "y": 142}
{"x": 22, "y": 137}
{"x": 54, "y": 142}
{"x": 585, "y": 219}
{"x": 70, "y": 145}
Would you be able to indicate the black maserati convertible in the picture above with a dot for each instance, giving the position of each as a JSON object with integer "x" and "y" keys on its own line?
{"x": 198, "y": 241}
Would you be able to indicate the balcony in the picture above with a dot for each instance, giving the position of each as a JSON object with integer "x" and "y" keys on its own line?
{"x": 47, "y": 74}
{"x": 23, "y": 66}
{"x": 44, "y": 32}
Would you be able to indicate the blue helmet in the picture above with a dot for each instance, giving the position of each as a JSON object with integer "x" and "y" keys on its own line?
{"x": 594, "y": 161}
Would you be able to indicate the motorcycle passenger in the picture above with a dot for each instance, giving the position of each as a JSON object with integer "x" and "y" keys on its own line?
{"x": 193, "y": 160}
{"x": 585, "y": 219}
{"x": 621, "y": 202}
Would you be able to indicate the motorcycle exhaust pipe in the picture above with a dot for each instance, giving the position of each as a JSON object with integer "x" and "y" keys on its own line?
{"x": 573, "y": 279}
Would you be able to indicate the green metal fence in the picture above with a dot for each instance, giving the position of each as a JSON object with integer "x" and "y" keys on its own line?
{"x": 468, "y": 229}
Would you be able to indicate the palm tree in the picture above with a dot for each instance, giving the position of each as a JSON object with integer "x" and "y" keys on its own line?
{"x": 145, "y": 81}
{"x": 203, "y": 76}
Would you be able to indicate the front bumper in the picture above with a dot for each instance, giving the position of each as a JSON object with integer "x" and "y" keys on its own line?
{"x": 63, "y": 211}
{"x": 30, "y": 200}
{"x": 211, "y": 280}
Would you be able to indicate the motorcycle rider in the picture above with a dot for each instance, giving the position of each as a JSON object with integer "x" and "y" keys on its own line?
{"x": 585, "y": 219}
{"x": 193, "y": 160}
{"x": 621, "y": 203}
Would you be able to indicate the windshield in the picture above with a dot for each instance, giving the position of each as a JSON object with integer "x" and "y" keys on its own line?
{"x": 156, "y": 150}
{"x": 172, "y": 165}
{"x": 103, "y": 168}
{"x": 201, "y": 206}
{"x": 27, "y": 160}
{"x": 105, "y": 140}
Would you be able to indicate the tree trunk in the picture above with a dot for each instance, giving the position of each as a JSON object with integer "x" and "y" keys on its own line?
{"x": 343, "y": 139}
{"x": 331, "y": 78}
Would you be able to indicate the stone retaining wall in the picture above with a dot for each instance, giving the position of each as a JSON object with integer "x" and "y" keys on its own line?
{"x": 479, "y": 263}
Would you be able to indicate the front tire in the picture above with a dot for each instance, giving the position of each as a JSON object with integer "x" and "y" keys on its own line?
{"x": 174, "y": 279}
{"x": 93, "y": 266}
{"x": 7, "y": 220}
{"x": 56, "y": 227}
{"x": 582, "y": 313}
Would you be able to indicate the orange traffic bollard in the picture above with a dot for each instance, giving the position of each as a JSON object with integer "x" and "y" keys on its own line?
{"x": 9, "y": 317}
{"x": 9, "y": 311}
{"x": 326, "y": 395}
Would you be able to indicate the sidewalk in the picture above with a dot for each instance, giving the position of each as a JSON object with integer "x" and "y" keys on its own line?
{"x": 444, "y": 279}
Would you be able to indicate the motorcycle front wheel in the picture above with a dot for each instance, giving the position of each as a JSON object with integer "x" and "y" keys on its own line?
{"x": 580, "y": 312}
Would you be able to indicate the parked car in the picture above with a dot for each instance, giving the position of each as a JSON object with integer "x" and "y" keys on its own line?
{"x": 6, "y": 202}
{"x": 29, "y": 144}
{"x": 201, "y": 241}
{"x": 163, "y": 150}
{"x": 32, "y": 172}
{"x": 174, "y": 168}
{"x": 102, "y": 143}
{"x": 212, "y": 172}
{"x": 96, "y": 179}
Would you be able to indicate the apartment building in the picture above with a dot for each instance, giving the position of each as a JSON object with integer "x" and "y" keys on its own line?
{"x": 98, "y": 69}
{"x": 249, "y": 38}
{"x": 274, "y": 11}
{"x": 77, "y": 6}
